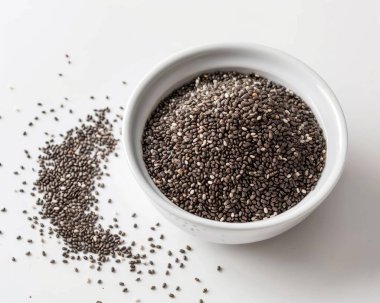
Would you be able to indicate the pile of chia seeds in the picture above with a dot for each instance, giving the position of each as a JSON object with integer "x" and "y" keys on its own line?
{"x": 69, "y": 173}
{"x": 234, "y": 147}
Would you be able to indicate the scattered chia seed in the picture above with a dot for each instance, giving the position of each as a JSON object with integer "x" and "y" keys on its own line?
{"x": 254, "y": 148}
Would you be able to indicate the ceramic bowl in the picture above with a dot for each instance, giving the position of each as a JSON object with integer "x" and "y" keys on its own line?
{"x": 273, "y": 64}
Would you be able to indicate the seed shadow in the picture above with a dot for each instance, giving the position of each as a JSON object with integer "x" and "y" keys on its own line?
{"x": 339, "y": 244}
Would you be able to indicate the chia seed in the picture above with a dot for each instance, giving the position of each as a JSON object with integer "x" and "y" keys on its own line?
{"x": 234, "y": 147}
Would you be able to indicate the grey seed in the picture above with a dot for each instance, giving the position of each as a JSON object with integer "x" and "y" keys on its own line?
{"x": 171, "y": 295}
{"x": 125, "y": 289}
{"x": 205, "y": 290}
{"x": 197, "y": 279}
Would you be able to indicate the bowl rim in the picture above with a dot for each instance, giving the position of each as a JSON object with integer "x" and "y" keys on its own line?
{"x": 290, "y": 214}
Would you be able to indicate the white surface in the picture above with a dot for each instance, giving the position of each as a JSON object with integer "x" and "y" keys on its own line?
{"x": 333, "y": 256}
{"x": 273, "y": 64}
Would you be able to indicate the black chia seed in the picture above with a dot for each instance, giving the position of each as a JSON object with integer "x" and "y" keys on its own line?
{"x": 234, "y": 147}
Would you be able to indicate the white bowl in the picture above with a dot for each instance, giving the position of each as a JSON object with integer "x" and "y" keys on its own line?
{"x": 270, "y": 63}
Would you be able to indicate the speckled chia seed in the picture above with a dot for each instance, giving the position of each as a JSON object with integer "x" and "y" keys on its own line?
{"x": 234, "y": 147}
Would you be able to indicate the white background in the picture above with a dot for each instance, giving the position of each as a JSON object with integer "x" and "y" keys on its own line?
{"x": 333, "y": 256}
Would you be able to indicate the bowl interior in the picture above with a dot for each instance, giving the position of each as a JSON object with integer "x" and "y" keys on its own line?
{"x": 267, "y": 62}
